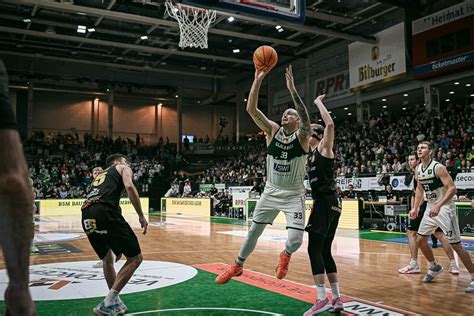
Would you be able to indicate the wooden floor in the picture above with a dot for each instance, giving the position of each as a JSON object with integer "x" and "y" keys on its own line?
{"x": 367, "y": 269}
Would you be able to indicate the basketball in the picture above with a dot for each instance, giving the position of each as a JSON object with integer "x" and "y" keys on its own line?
{"x": 265, "y": 58}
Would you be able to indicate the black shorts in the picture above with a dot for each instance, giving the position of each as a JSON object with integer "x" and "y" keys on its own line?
{"x": 7, "y": 118}
{"x": 325, "y": 215}
{"x": 415, "y": 223}
{"x": 107, "y": 229}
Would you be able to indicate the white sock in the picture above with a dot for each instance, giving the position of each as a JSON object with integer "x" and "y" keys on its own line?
{"x": 321, "y": 290}
{"x": 111, "y": 297}
{"x": 453, "y": 262}
{"x": 335, "y": 290}
{"x": 432, "y": 264}
{"x": 413, "y": 262}
{"x": 472, "y": 277}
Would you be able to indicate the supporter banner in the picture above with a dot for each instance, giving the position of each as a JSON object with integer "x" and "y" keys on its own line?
{"x": 184, "y": 206}
{"x": 369, "y": 63}
{"x": 464, "y": 180}
{"x": 335, "y": 86}
{"x": 398, "y": 183}
{"x": 445, "y": 16}
{"x": 359, "y": 184}
{"x": 206, "y": 187}
{"x": 73, "y": 206}
{"x": 239, "y": 195}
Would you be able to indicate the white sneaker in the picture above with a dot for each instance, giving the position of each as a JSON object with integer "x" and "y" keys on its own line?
{"x": 97, "y": 265}
{"x": 122, "y": 308}
{"x": 453, "y": 268}
{"x": 470, "y": 288}
{"x": 410, "y": 269}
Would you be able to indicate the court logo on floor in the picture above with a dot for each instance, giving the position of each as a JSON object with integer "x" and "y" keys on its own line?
{"x": 77, "y": 280}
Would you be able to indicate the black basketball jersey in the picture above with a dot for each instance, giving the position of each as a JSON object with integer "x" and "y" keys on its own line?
{"x": 321, "y": 174}
{"x": 107, "y": 188}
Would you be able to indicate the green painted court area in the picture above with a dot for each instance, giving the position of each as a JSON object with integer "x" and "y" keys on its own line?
{"x": 189, "y": 298}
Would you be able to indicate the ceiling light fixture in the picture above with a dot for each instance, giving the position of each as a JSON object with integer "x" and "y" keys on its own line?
{"x": 349, "y": 113}
{"x": 383, "y": 100}
{"x": 91, "y": 30}
{"x": 456, "y": 83}
{"x": 468, "y": 84}
{"x": 236, "y": 51}
{"x": 346, "y": 109}
{"x": 176, "y": 96}
{"x": 451, "y": 92}
{"x": 405, "y": 95}
{"x": 27, "y": 20}
{"x": 144, "y": 37}
{"x": 230, "y": 19}
{"x": 404, "y": 109}
{"x": 384, "y": 106}
{"x": 447, "y": 100}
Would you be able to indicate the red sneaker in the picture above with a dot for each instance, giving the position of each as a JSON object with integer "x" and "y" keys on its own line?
{"x": 282, "y": 267}
{"x": 232, "y": 271}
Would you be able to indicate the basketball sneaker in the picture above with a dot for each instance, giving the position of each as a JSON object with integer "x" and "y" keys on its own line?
{"x": 411, "y": 268}
{"x": 319, "y": 307}
{"x": 282, "y": 268}
{"x": 97, "y": 265}
{"x": 453, "y": 268}
{"x": 121, "y": 307}
{"x": 470, "y": 288}
{"x": 432, "y": 272}
{"x": 101, "y": 309}
{"x": 337, "y": 306}
{"x": 232, "y": 271}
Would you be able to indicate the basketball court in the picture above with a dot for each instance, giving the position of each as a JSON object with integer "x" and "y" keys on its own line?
{"x": 183, "y": 255}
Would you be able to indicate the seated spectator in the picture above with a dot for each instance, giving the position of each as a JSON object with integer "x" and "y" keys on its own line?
{"x": 350, "y": 194}
{"x": 390, "y": 194}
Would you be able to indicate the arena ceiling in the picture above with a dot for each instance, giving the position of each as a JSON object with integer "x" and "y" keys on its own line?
{"x": 137, "y": 41}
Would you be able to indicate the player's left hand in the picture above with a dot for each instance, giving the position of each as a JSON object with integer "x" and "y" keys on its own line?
{"x": 290, "y": 83}
{"x": 434, "y": 211}
{"x": 144, "y": 224}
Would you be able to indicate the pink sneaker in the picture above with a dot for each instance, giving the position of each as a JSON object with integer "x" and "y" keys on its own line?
{"x": 318, "y": 307}
{"x": 337, "y": 306}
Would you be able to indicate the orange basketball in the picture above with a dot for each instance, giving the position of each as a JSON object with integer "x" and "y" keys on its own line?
{"x": 265, "y": 58}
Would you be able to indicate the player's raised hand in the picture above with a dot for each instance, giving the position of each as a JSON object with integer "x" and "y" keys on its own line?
{"x": 319, "y": 99}
{"x": 290, "y": 82}
{"x": 261, "y": 73}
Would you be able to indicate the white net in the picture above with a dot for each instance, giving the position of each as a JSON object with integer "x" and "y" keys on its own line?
{"x": 193, "y": 23}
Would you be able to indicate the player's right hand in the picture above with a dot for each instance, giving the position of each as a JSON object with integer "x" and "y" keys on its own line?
{"x": 260, "y": 74}
{"x": 319, "y": 99}
{"x": 143, "y": 223}
{"x": 413, "y": 214}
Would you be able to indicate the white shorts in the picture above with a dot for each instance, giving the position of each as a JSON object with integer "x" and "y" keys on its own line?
{"x": 446, "y": 220}
{"x": 274, "y": 200}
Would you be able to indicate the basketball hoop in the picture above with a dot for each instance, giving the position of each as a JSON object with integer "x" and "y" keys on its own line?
{"x": 193, "y": 23}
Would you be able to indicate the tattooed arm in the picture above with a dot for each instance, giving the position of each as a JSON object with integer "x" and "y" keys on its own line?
{"x": 268, "y": 126}
{"x": 304, "y": 130}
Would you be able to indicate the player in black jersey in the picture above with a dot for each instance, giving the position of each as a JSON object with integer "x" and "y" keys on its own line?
{"x": 324, "y": 218}
{"x": 16, "y": 208}
{"x": 109, "y": 233}
{"x": 413, "y": 267}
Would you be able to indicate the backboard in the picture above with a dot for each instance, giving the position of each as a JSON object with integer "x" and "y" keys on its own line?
{"x": 292, "y": 11}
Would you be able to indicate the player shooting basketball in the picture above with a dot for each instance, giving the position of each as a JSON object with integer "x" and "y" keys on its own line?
{"x": 287, "y": 147}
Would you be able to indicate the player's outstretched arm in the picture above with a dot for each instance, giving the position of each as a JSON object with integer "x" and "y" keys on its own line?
{"x": 328, "y": 139}
{"x": 127, "y": 176}
{"x": 268, "y": 126}
{"x": 300, "y": 107}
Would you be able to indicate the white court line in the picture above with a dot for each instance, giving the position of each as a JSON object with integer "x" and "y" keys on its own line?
{"x": 207, "y": 309}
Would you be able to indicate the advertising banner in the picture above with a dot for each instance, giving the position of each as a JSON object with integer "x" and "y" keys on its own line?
{"x": 369, "y": 63}
{"x": 335, "y": 86}
{"x": 453, "y": 13}
{"x": 73, "y": 206}
{"x": 185, "y": 206}
{"x": 239, "y": 195}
